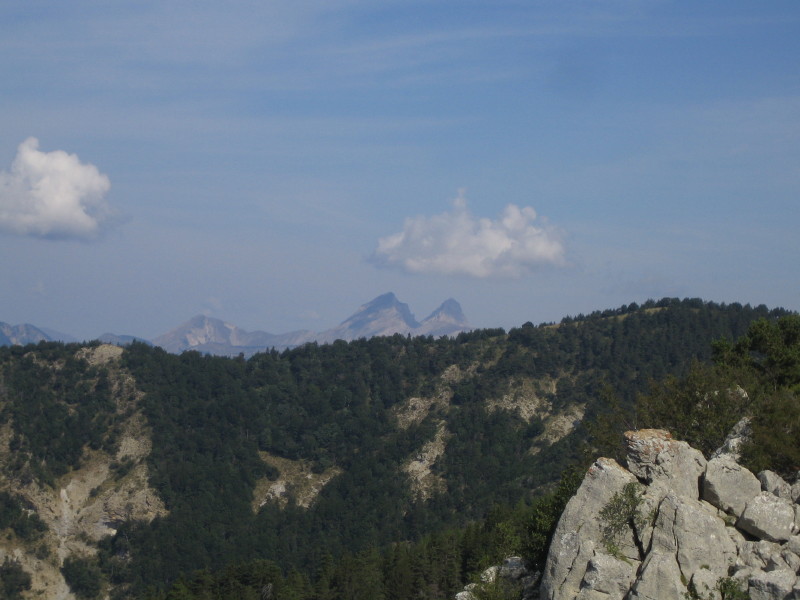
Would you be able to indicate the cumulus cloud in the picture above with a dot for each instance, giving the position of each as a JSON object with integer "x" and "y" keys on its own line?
{"x": 458, "y": 243}
{"x": 52, "y": 195}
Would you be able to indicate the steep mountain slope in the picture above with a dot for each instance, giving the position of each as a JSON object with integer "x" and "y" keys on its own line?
{"x": 21, "y": 334}
{"x": 106, "y": 482}
{"x": 385, "y": 315}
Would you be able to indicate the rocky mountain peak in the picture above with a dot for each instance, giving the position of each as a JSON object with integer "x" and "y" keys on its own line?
{"x": 385, "y": 315}
{"x": 448, "y": 319}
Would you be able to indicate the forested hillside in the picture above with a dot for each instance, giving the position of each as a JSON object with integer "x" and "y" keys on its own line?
{"x": 330, "y": 468}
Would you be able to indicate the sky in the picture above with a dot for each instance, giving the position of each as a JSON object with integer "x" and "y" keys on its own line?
{"x": 278, "y": 164}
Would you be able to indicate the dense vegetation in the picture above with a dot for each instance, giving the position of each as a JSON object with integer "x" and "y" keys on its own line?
{"x": 58, "y": 404}
{"x": 335, "y": 406}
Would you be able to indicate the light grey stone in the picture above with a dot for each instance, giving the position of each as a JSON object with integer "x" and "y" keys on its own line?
{"x": 774, "y": 484}
{"x": 514, "y": 568}
{"x": 679, "y": 538}
{"x": 768, "y": 518}
{"x": 653, "y": 455}
{"x": 489, "y": 575}
{"x": 579, "y": 532}
{"x": 740, "y": 433}
{"x": 791, "y": 560}
{"x": 608, "y": 576}
{"x": 698, "y": 539}
{"x": 773, "y": 585}
{"x": 466, "y": 595}
{"x": 757, "y": 555}
{"x": 705, "y": 584}
{"x": 736, "y": 537}
{"x": 729, "y": 486}
{"x": 793, "y": 545}
{"x": 660, "y": 579}
{"x": 796, "y": 491}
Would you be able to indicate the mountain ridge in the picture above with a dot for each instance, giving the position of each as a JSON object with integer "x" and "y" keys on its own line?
{"x": 381, "y": 316}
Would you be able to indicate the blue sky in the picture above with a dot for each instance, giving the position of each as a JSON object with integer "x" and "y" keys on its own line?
{"x": 276, "y": 164}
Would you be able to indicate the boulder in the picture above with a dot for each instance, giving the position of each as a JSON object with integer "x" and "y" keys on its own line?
{"x": 660, "y": 579}
{"x": 695, "y": 537}
{"x": 774, "y": 484}
{"x": 513, "y": 568}
{"x": 741, "y": 432}
{"x": 653, "y": 456}
{"x": 489, "y": 575}
{"x": 771, "y": 585}
{"x": 704, "y": 583}
{"x": 606, "y": 577}
{"x": 768, "y": 518}
{"x": 793, "y": 545}
{"x": 758, "y": 555}
{"x": 729, "y": 486}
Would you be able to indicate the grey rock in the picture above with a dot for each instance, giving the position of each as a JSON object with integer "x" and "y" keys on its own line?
{"x": 660, "y": 579}
{"x": 793, "y": 545}
{"x": 795, "y": 491}
{"x": 490, "y": 575}
{"x": 774, "y": 484}
{"x": 773, "y": 585}
{"x": 653, "y": 456}
{"x": 678, "y": 539}
{"x": 705, "y": 583}
{"x": 696, "y": 538}
{"x": 606, "y": 577}
{"x": 768, "y": 518}
{"x": 758, "y": 555}
{"x": 513, "y": 568}
{"x": 729, "y": 486}
{"x": 788, "y": 560}
{"x": 578, "y": 532}
{"x": 740, "y": 433}
{"x": 737, "y": 538}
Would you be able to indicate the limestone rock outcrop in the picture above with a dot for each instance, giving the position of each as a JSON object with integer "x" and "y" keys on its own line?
{"x": 689, "y": 526}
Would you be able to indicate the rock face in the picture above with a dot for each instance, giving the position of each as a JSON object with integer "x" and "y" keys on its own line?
{"x": 684, "y": 526}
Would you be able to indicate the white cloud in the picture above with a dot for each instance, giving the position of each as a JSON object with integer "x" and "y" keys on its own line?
{"x": 52, "y": 195}
{"x": 458, "y": 243}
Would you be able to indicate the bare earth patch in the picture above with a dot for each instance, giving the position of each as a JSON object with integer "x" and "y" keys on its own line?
{"x": 561, "y": 424}
{"x": 296, "y": 481}
{"x": 87, "y": 503}
{"x": 424, "y": 483}
{"x": 100, "y": 355}
{"x": 525, "y": 400}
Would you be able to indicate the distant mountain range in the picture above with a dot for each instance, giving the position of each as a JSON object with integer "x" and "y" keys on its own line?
{"x": 385, "y": 315}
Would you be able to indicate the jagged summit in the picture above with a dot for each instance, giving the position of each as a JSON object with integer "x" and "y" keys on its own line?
{"x": 385, "y": 315}
{"x": 448, "y": 319}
